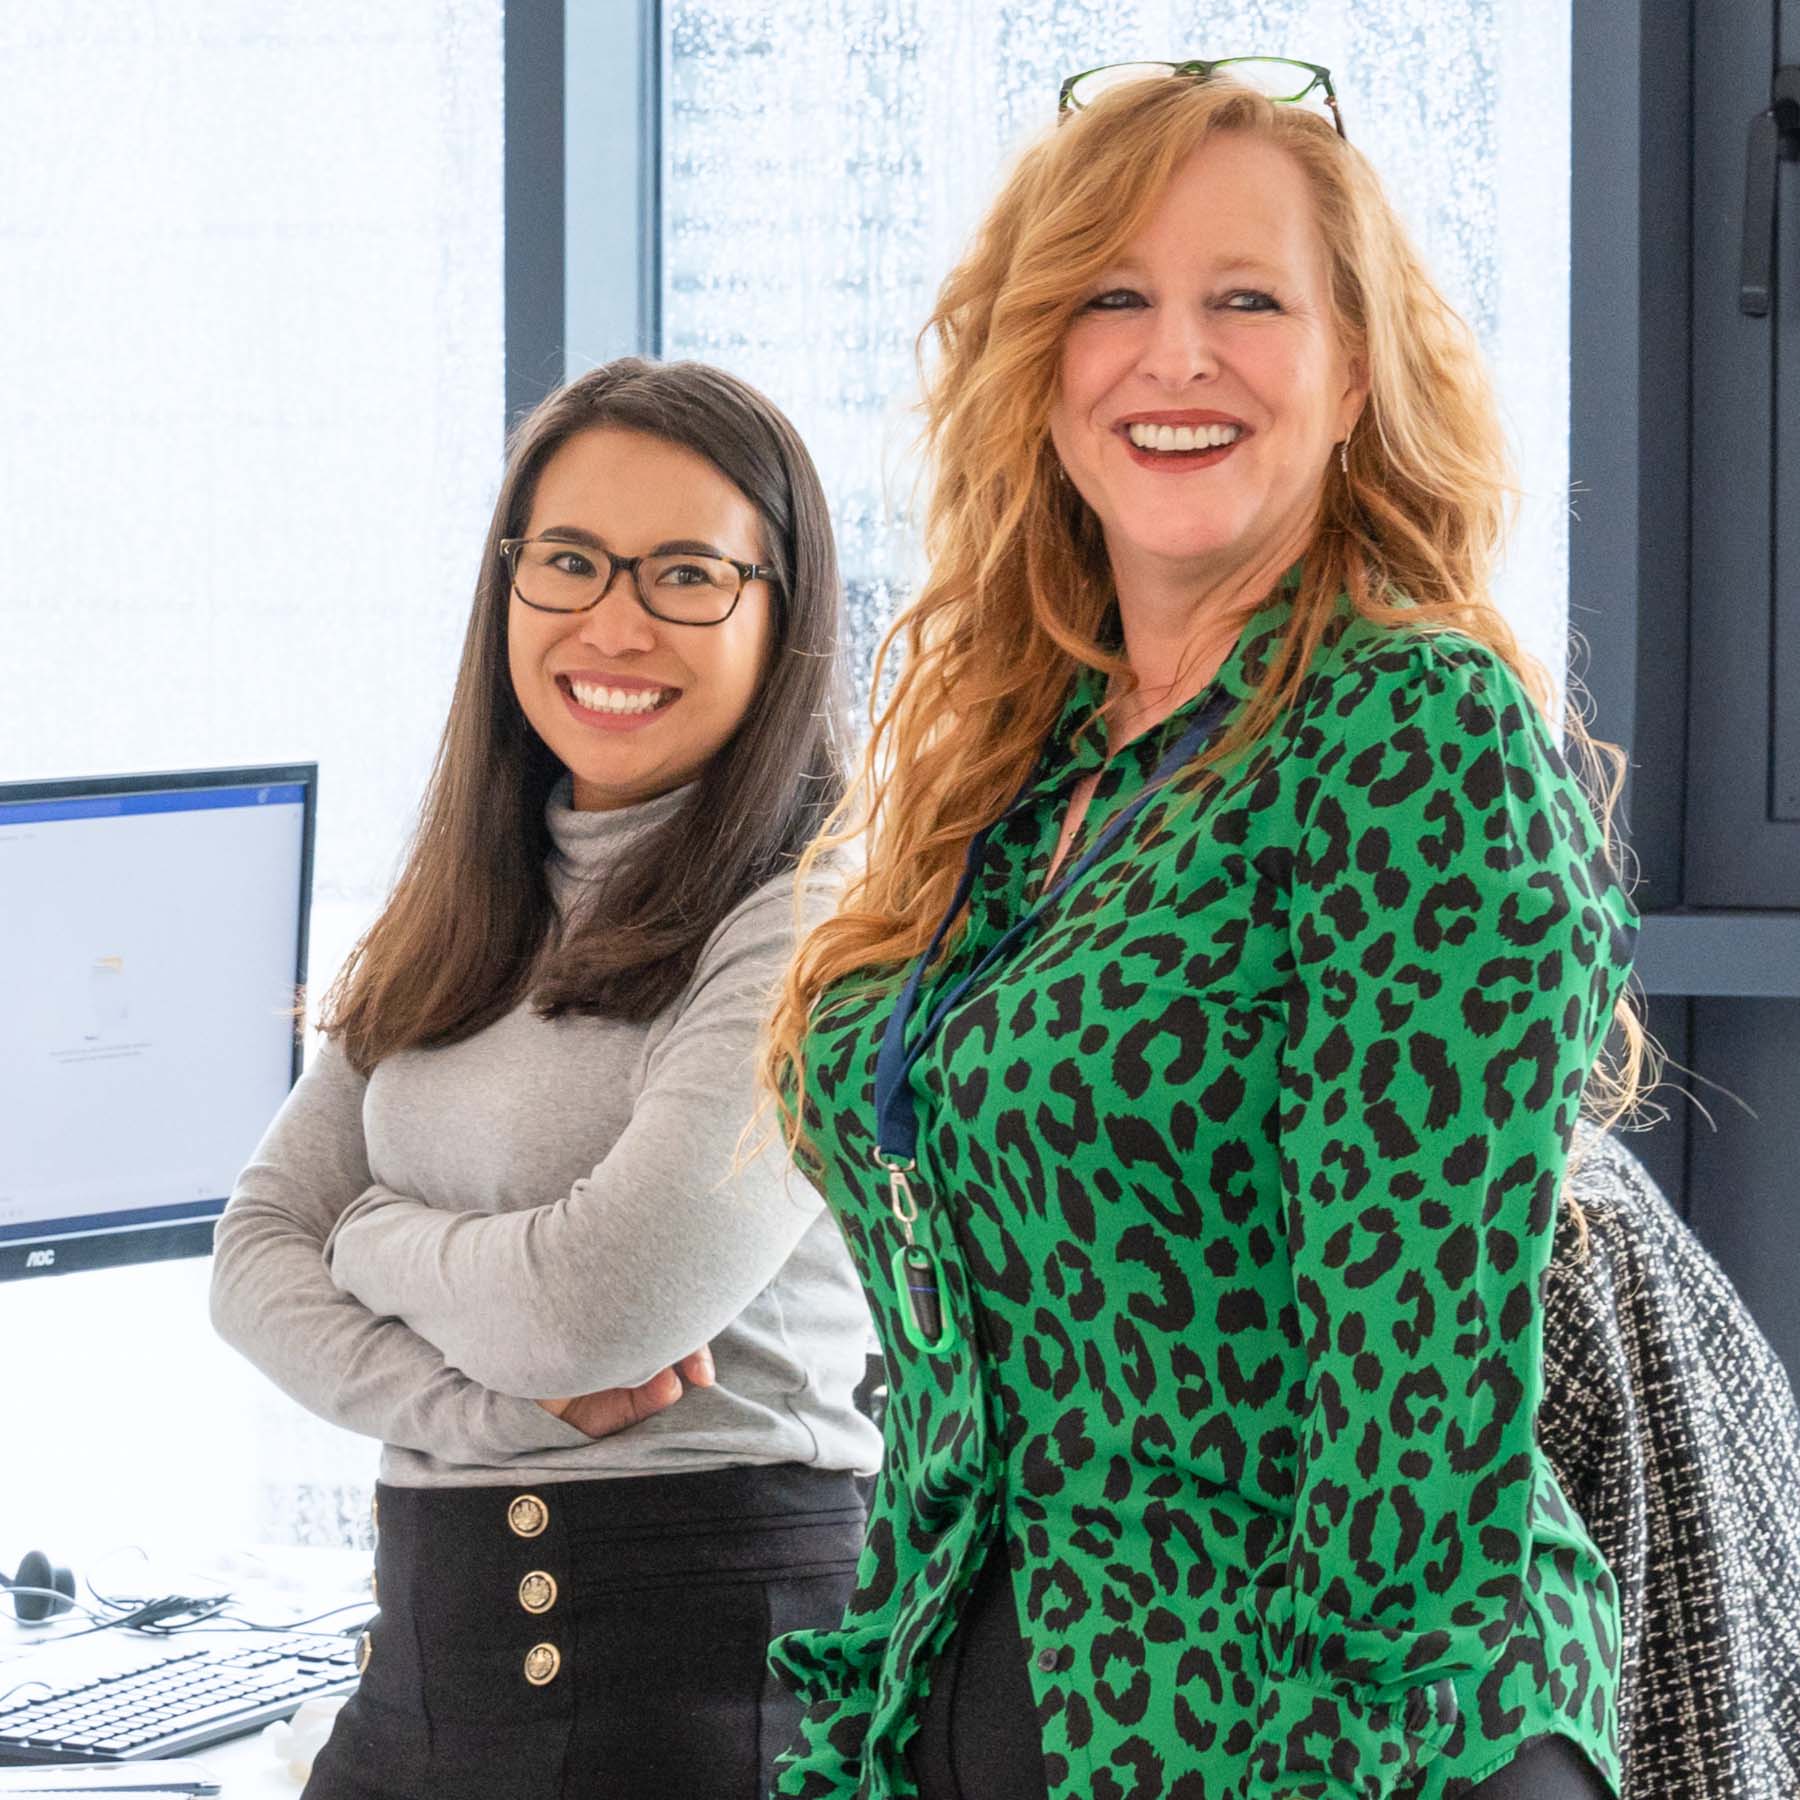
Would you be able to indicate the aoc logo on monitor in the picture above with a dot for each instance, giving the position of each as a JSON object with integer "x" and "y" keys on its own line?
{"x": 41, "y": 1259}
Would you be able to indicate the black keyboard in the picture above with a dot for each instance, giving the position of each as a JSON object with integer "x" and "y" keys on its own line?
{"x": 113, "y": 1701}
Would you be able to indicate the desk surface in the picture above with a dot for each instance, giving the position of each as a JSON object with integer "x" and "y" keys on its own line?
{"x": 282, "y": 1584}
{"x": 247, "y": 1771}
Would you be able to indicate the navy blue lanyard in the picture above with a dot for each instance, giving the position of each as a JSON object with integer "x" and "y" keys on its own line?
{"x": 896, "y": 1121}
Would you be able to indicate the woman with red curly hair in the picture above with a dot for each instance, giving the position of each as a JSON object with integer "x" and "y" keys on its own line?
{"x": 1193, "y": 1065}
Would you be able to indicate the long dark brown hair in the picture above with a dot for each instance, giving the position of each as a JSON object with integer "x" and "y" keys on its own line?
{"x": 467, "y": 930}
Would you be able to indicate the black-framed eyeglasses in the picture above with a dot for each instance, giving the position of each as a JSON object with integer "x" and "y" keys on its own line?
{"x": 1279, "y": 77}
{"x": 680, "y": 587}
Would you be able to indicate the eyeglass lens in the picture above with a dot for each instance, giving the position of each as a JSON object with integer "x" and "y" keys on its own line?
{"x": 683, "y": 588}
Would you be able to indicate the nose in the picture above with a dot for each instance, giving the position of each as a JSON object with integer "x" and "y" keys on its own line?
{"x": 1179, "y": 347}
{"x": 617, "y": 624}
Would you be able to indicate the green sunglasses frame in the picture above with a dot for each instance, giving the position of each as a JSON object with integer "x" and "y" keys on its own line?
{"x": 1200, "y": 69}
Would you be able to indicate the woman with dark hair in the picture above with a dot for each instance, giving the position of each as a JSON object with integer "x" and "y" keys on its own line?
{"x": 498, "y": 1220}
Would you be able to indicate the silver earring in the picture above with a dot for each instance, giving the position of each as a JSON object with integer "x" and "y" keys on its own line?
{"x": 1344, "y": 456}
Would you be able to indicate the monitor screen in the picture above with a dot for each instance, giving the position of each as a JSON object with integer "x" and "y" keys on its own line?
{"x": 152, "y": 952}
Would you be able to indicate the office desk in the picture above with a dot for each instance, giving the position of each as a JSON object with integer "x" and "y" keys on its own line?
{"x": 300, "y": 1583}
{"x": 247, "y": 1771}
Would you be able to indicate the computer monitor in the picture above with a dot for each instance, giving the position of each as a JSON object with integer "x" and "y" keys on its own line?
{"x": 152, "y": 954}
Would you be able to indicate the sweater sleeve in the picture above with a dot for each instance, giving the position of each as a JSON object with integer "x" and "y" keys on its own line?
{"x": 1458, "y": 941}
{"x": 645, "y": 1259}
{"x": 274, "y": 1300}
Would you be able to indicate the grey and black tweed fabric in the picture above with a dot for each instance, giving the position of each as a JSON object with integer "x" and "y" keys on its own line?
{"x": 1672, "y": 1427}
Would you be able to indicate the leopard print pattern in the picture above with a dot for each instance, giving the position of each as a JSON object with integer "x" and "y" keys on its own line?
{"x": 1244, "y": 1172}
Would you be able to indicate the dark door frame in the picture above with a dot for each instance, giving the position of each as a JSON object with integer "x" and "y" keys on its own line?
{"x": 1665, "y": 498}
{"x": 1631, "y": 436}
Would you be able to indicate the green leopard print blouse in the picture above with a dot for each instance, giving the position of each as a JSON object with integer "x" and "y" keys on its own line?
{"x": 1244, "y": 1172}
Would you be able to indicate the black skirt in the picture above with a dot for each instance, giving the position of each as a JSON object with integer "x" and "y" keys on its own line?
{"x": 590, "y": 1638}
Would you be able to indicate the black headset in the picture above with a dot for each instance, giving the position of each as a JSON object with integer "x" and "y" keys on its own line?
{"x": 45, "y": 1590}
{"x": 41, "y": 1590}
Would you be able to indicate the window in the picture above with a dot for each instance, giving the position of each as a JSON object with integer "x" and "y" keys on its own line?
{"x": 822, "y": 166}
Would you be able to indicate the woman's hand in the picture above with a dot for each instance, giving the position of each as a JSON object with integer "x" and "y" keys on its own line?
{"x": 614, "y": 1409}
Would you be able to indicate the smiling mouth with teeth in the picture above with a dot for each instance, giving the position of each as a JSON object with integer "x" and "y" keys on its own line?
{"x": 601, "y": 699}
{"x": 1165, "y": 439}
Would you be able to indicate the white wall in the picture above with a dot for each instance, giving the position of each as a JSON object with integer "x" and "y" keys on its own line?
{"x": 250, "y": 343}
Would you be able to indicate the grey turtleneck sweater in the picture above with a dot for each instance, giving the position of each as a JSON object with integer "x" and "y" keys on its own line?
{"x": 548, "y": 1208}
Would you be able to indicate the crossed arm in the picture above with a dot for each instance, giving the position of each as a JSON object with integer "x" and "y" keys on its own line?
{"x": 449, "y": 1332}
{"x": 274, "y": 1300}
{"x": 654, "y": 1252}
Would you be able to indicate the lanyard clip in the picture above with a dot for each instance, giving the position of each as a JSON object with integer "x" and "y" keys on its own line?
{"x": 918, "y": 1275}
{"x": 902, "y": 1202}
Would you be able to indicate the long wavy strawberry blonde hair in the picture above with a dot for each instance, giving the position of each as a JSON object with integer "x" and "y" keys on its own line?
{"x": 1019, "y": 584}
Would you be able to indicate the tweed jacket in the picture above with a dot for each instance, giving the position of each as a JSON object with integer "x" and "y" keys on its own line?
{"x": 1673, "y": 1431}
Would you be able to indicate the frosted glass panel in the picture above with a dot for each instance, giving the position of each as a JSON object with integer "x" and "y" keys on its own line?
{"x": 252, "y": 334}
{"x": 250, "y": 256}
{"x": 825, "y": 162}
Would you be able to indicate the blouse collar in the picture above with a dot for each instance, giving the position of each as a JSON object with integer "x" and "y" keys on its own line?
{"x": 1242, "y": 672}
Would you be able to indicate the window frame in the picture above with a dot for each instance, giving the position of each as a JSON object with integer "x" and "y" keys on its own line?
{"x": 566, "y": 310}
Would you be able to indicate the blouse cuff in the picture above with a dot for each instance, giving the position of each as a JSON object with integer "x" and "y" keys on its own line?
{"x": 1315, "y": 1743}
{"x": 827, "y": 1663}
{"x": 830, "y": 1672}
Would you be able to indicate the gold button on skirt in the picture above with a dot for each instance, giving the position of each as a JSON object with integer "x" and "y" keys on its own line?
{"x": 527, "y": 1516}
{"x": 537, "y": 1592}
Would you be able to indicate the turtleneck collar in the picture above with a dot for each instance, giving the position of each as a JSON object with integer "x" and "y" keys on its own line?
{"x": 587, "y": 843}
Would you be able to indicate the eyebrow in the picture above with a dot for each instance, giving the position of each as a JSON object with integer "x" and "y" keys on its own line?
{"x": 1232, "y": 265}
{"x": 577, "y": 534}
